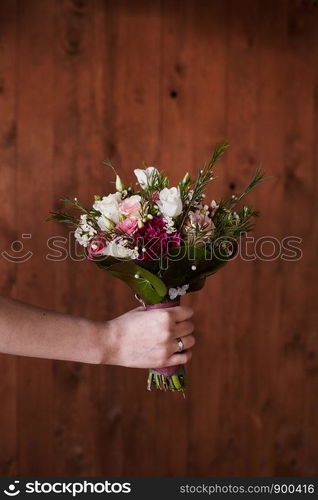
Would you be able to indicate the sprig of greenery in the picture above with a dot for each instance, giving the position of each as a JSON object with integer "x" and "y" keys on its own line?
{"x": 204, "y": 176}
{"x": 76, "y": 204}
{"x": 63, "y": 217}
{"x": 224, "y": 220}
{"x": 217, "y": 153}
{"x": 257, "y": 178}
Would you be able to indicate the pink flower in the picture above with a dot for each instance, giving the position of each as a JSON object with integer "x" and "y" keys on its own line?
{"x": 96, "y": 247}
{"x": 198, "y": 227}
{"x": 155, "y": 239}
{"x": 201, "y": 219}
{"x": 128, "y": 226}
{"x": 131, "y": 206}
{"x": 155, "y": 196}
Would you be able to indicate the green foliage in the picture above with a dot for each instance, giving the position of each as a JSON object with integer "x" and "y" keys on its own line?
{"x": 178, "y": 269}
{"x": 63, "y": 217}
{"x": 257, "y": 178}
{"x": 226, "y": 223}
{"x": 149, "y": 287}
{"x": 204, "y": 176}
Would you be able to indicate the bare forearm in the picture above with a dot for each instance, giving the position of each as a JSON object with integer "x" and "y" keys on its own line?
{"x": 31, "y": 331}
{"x": 138, "y": 338}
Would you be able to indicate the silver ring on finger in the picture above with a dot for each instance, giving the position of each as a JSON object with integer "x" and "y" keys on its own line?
{"x": 180, "y": 345}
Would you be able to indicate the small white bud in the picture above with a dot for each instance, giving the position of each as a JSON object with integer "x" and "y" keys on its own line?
{"x": 194, "y": 268}
{"x": 119, "y": 184}
{"x": 109, "y": 223}
{"x": 185, "y": 178}
{"x": 137, "y": 276}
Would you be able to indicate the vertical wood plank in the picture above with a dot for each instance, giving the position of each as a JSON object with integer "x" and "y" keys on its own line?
{"x": 8, "y": 126}
{"x": 76, "y": 157}
{"x": 266, "y": 286}
{"x": 136, "y": 90}
{"x": 34, "y": 196}
{"x": 241, "y": 101}
{"x": 299, "y": 174}
{"x": 193, "y": 120}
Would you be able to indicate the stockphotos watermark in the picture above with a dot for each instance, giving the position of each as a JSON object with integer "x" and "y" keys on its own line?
{"x": 73, "y": 488}
{"x": 265, "y": 248}
{"x": 160, "y": 487}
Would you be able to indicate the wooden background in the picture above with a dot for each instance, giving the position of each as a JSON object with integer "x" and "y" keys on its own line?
{"x": 162, "y": 81}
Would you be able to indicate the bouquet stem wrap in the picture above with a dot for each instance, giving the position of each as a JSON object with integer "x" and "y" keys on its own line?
{"x": 172, "y": 377}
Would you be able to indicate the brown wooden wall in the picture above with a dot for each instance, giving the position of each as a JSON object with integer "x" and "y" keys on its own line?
{"x": 162, "y": 81}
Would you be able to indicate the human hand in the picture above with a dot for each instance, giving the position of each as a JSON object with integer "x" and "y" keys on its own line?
{"x": 148, "y": 339}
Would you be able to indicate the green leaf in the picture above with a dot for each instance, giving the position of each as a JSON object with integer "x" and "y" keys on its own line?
{"x": 179, "y": 267}
{"x": 148, "y": 286}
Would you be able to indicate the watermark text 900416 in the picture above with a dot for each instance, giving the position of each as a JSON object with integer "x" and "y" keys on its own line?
{"x": 265, "y": 248}
{"x": 256, "y": 489}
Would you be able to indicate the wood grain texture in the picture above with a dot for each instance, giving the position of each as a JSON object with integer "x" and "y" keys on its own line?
{"x": 8, "y": 127}
{"x": 162, "y": 81}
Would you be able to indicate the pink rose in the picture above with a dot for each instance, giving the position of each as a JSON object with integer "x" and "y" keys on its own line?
{"x": 128, "y": 226}
{"x": 131, "y": 206}
{"x": 96, "y": 247}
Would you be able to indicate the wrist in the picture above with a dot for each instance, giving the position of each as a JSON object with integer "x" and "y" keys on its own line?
{"x": 106, "y": 342}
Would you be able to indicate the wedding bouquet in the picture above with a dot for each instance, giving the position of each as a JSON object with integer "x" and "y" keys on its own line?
{"x": 162, "y": 241}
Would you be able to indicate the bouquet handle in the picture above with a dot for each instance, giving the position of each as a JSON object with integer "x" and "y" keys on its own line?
{"x": 171, "y": 377}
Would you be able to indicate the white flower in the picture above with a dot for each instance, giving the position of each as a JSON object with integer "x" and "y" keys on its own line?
{"x": 145, "y": 177}
{"x": 170, "y": 203}
{"x": 169, "y": 226}
{"x": 82, "y": 238}
{"x": 214, "y": 206}
{"x": 117, "y": 249}
{"x": 104, "y": 223}
{"x": 236, "y": 217}
{"x": 190, "y": 194}
{"x": 109, "y": 206}
{"x": 178, "y": 291}
{"x": 85, "y": 231}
